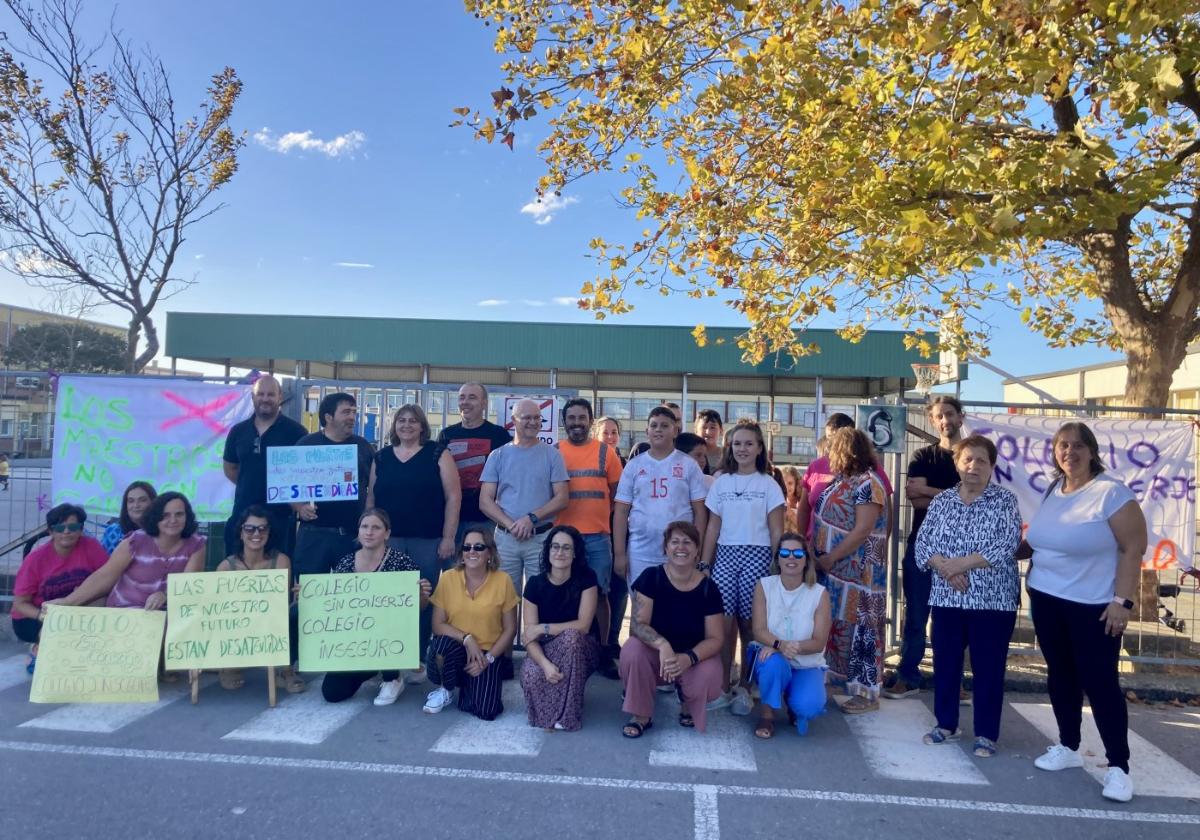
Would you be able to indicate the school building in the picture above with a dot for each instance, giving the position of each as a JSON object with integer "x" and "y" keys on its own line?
{"x": 625, "y": 370}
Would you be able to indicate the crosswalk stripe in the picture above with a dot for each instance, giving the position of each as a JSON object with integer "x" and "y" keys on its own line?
{"x": 1154, "y": 772}
{"x": 109, "y": 717}
{"x": 12, "y": 671}
{"x": 301, "y": 718}
{"x": 891, "y": 743}
{"x": 509, "y": 734}
{"x": 726, "y": 745}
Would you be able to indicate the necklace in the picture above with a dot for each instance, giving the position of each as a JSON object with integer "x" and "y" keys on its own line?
{"x": 742, "y": 492}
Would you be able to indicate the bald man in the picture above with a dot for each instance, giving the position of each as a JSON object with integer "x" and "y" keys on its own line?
{"x": 245, "y": 460}
{"x": 523, "y": 486}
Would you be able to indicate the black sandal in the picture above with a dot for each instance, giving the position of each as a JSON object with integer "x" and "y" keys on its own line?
{"x": 633, "y": 729}
{"x": 686, "y": 721}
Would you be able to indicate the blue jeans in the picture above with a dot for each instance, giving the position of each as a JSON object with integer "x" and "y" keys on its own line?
{"x": 915, "y": 585}
{"x": 600, "y": 558}
{"x": 803, "y": 687}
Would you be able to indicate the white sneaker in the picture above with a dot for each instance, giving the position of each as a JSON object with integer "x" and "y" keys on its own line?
{"x": 1058, "y": 757}
{"x": 415, "y": 677}
{"x": 721, "y": 702}
{"x": 389, "y": 692}
{"x": 437, "y": 700}
{"x": 742, "y": 704}
{"x": 1117, "y": 785}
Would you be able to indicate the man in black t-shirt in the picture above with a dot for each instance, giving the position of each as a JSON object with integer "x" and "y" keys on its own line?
{"x": 328, "y": 530}
{"x": 470, "y": 442}
{"x": 245, "y": 462}
{"x": 930, "y": 471}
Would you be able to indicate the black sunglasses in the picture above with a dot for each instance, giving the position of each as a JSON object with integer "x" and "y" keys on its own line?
{"x": 255, "y": 529}
{"x": 473, "y": 547}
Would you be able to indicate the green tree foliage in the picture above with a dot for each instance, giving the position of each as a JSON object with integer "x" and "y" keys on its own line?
{"x": 65, "y": 347}
{"x": 881, "y": 159}
{"x": 100, "y": 177}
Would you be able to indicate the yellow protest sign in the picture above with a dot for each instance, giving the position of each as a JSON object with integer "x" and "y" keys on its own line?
{"x": 227, "y": 619}
{"x": 98, "y": 655}
{"x": 359, "y": 622}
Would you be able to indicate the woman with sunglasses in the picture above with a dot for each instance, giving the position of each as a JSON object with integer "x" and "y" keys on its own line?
{"x": 474, "y": 624}
{"x": 135, "y": 501}
{"x": 136, "y": 573}
{"x": 562, "y": 650}
{"x": 791, "y": 628}
{"x": 373, "y": 555}
{"x": 52, "y": 571}
{"x": 256, "y": 550}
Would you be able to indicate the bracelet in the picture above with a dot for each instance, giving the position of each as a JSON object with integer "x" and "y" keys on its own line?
{"x": 775, "y": 644}
{"x": 545, "y": 629}
{"x": 465, "y": 637}
{"x": 691, "y": 654}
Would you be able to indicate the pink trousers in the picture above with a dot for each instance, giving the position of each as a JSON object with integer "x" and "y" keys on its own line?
{"x": 639, "y": 671}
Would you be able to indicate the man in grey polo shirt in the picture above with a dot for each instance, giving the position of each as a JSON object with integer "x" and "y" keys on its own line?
{"x": 524, "y": 484}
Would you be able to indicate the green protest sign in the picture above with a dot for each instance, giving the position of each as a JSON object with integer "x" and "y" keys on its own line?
{"x": 98, "y": 655}
{"x": 359, "y": 622}
{"x": 227, "y": 619}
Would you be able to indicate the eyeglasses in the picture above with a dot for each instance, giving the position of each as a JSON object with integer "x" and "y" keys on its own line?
{"x": 67, "y": 528}
{"x": 798, "y": 553}
{"x": 562, "y": 549}
{"x": 255, "y": 529}
{"x": 477, "y": 547}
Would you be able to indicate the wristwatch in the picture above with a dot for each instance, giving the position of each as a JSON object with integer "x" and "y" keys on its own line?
{"x": 775, "y": 644}
{"x": 533, "y": 518}
{"x": 1124, "y": 602}
{"x": 491, "y": 659}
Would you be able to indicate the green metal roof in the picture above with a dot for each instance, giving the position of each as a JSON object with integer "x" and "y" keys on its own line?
{"x": 216, "y": 337}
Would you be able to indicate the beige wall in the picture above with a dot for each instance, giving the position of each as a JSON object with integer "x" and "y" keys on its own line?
{"x": 1106, "y": 384}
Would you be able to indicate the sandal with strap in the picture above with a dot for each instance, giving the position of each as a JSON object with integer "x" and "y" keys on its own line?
{"x": 231, "y": 678}
{"x": 634, "y": 729}
{"x": 984, "y": 747}
{"x": 937, "y": 735}
{"x": 765, "y": 729}
{"x": 289, "y": 681}
{"x": 686, "y": 720}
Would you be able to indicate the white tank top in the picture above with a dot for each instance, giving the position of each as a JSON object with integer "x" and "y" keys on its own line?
{"x": 790, "y": 616}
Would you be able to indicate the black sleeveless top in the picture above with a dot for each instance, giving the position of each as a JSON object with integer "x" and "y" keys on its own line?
{"x": 411, "y": 492}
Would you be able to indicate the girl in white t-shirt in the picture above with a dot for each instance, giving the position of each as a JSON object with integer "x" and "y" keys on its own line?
{"x": 745, "y": 521}
{"x": 1088, "y": 538}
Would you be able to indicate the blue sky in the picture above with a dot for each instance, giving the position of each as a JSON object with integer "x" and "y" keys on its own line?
{"x": 381, "y": 209}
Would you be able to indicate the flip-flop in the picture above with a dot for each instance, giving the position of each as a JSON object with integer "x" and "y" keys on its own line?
{"x": 638, "y": 728}
{"x": 765, "y": 729}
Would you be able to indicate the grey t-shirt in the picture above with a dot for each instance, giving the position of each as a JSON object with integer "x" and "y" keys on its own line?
{"x": 524, "y": 476}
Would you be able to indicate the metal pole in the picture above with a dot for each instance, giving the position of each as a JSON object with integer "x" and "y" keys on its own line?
{"x": 819, "y": 422}
{"x": 683, "y": 409}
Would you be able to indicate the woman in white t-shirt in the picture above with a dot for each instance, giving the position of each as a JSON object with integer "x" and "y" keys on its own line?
{"x": 791, "y": 628}
{"x": 745, "y": 521}
{"x": 1088, "y": 538}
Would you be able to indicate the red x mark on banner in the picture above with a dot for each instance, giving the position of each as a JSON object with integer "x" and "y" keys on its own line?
{"x": 202, "y": 413}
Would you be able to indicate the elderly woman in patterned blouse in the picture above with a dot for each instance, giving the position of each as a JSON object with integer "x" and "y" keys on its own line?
{"x": 969, "y": 538}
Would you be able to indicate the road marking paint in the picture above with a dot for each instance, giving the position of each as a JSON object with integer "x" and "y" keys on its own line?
{"x": 509, "y": 734}
{"x": 1154, "y": 772}
{"x": 1116, "y": 814}
{"x": 107, "y": 718}
{"x": 12, "y": 671}
{"x": 707, "y": 816}
{"x": 300, "y": 719}
{"x": 725, "y": 746}
{"x": 890, "y": 740}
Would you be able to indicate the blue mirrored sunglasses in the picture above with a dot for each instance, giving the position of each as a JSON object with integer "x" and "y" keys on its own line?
{"x": 793, "y": 552}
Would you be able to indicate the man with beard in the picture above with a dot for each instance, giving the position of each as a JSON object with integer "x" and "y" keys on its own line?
{"x": 930, "y": 471}
{"x": 245, "y": 460}
{"x": 593, "y": 471}
{"x": 328, "y": 530}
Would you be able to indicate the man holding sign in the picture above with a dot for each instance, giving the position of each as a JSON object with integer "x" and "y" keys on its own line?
{"x": 327, "y": 529}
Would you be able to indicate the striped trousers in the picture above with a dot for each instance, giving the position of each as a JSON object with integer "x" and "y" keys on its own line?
{"x": 445, "y": 665}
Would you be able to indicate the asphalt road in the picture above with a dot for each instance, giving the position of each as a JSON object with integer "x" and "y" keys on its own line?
{"x": 231, "y": 767}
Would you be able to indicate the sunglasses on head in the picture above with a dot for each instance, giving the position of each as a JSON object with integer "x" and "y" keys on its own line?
{"x": 67, "y": 528}
{"x": 255, "y": 529}
{"x": 793, "y": 552}
{"x": 473, "y": 547}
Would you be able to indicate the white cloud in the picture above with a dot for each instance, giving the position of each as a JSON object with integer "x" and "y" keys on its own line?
{"x": 32, "y": 262}
{"x": 353, "y": 265}
{"x": 343, "y": 144}
{"x": 567, "y": 301}
{"x": 492, "y": 302}
{"x": 548, "y": 207}
{"x": 528, "y": 302}
{"x": 198, "y": 257}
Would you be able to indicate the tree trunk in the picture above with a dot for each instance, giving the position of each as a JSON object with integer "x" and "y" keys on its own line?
{"x": 132, "y": 337}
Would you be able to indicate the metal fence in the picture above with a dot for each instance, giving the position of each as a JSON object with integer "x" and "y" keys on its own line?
{"x": 1170, "y": 639}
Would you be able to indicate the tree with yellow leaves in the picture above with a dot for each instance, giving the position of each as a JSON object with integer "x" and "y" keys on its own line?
{"x": 100, "y": 178}
{"x": 908, "y": 161}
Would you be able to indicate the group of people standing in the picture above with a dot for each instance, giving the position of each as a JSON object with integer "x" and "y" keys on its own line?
{"x": 725, "y": 559}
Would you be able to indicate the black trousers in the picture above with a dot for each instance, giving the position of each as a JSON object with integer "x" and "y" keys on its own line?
{"x": 1082, "y": 659}
{"x": 342, "y": 685}
{"x": 479, "y": 695}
